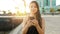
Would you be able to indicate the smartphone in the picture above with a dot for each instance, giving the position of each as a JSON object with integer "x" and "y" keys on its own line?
{"x": 31, "y": 18}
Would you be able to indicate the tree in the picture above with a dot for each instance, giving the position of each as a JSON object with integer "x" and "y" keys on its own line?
{"x": 58, "y": 10}
{"x": 52, "y": 11}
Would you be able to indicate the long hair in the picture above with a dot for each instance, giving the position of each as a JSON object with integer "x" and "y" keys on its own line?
{"x": 37, "y": 14}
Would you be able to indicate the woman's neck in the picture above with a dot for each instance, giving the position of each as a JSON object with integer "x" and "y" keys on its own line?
{"x": 33, "y": 15}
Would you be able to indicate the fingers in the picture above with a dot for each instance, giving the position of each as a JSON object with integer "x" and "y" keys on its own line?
{"x": 34, "y": 21}
{"x": 31, "y": 22}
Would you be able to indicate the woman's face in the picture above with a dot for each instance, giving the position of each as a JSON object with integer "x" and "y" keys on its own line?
{"x": 33, "y": 8}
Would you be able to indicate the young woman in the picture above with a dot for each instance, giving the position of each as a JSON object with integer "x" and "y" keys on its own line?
{"x": 37, "y": 23}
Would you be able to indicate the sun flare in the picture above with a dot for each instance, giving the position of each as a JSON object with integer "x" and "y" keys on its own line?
{"x": 15, "y": 6}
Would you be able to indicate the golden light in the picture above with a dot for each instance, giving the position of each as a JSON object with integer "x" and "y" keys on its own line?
{"x": 15, "y": 6}
{"x": 19, "y": 6}
{"x": 27, "y": 5}
{"x": 7, "y": 5}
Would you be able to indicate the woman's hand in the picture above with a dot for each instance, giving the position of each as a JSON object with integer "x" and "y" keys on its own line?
{"x": 35, "y": 22}
{"x": 26, "y": 27}
{"x": 29, "y": 23}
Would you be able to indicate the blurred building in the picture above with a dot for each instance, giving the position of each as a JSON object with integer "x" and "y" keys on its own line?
{"x": 45, "y": 5}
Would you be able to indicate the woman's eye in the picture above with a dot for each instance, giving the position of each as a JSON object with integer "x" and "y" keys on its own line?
{"x": 33, "y": 7}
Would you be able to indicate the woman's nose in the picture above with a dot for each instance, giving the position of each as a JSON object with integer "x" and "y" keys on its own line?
{"x": 33, "y": 8}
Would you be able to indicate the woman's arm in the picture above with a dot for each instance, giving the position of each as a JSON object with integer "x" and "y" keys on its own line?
{"x": 39, "y": 29}
{"x": 43, "y": 25}
{"x": 26, "y": 27}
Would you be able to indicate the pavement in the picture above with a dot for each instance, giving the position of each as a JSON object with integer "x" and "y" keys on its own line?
{"x": 52, "y": 25}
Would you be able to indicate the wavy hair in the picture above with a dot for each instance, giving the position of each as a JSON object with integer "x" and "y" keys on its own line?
{"x": 37, "y": 14}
